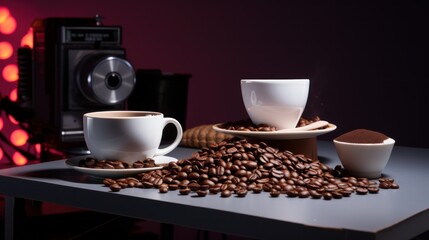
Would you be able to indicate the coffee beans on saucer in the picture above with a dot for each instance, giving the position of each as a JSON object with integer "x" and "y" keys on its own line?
{"x": 91, "y": 162}
{"x": 248, "y": 125}
{"x": 237, "y": 167}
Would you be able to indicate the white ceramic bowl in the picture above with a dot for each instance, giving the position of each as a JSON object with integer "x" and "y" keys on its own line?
{"x": 364, "y": 159}
{"x": 276, "y": 102}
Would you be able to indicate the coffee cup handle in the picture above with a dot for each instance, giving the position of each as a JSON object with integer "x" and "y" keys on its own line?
{"x": 176, "y": 142}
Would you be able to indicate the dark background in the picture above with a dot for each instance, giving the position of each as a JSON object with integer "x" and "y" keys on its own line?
{"x": 366, "y": 60}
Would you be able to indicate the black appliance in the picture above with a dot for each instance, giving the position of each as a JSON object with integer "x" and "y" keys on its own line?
{"x": 77, "y": 65}
{"x": 164, "y": 92}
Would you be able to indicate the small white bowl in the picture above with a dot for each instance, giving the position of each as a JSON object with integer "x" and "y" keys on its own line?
{"x": 364, "y": 159}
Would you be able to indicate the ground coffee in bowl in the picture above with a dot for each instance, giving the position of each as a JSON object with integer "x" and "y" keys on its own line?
{"x": 362, "y": 136}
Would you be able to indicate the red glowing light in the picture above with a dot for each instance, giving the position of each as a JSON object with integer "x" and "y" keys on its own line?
{"x": 19, "y": 159}
{"x": 19, "y": 137}
{"x": 10, "y": 73}
{"x": 38, "y": 148}
{"x": 4, "y": 14}
{"x": 13, "y": 96}
{"x": 27, "y": 40}
{"x": 6, "y": 50}
{"x": 8, "y": 26}
{"x": 12, "y": 120}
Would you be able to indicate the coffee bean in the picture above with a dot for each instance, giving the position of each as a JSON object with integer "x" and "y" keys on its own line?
{"x": 138, "y": 164}
{"x": 226, "y": 193}
{"x": 373, "y": 189}
{"x": 242, "y": 192}
{"x": 184, "y": 191}
{"x": 173, "y": 186}
{"x": 303, "y": 194}
{"x": 361, "y": 190}
{"x": 147, "y": 184}
{"x": 267, "y": 187}
{"x": 157, "y": 182}
{"x": 337, "y": 194}
{"x": 250, "y": 165}
{"x": 277, "y": 173}
{"x": 263, "y": 180}
{"x": 327, "y": 196}
{"x": 89, "y": 162}
{"x": 163, "y": 188}
{"x": 108, "y": 181}
{"x": 274, "y": 193}
{"x": 123, "y": 184}
{"x": 193, "y": 176}
{"x": 194, "y": 186}
{"x": 385, "y": 180}
{"x": 115, "y": 187}
{"x": 257, "y": 189}
{"x": 201, "y": 193}
{"x": 315, "y": 194}
{"x": 241, "y": 173}
{"x": 214, "y": 190}
{"x": 108, "y": 166}
{"x": 385, "y": 184}
{"x": 182, "y": 175}
{"x": 292, "y": 193}
{"x": 346, "y": 193}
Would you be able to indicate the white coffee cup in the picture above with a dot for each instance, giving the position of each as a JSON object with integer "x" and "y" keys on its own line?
{"x": 127, "y": 135}
{"x": 276, "y": 102}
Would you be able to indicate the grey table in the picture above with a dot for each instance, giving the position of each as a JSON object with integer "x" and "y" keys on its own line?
{"x": 390, "y": 214}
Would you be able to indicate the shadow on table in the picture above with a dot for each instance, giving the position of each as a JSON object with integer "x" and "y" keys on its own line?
{"x": 69, "y": 175}
{"x": 325, "y": 160}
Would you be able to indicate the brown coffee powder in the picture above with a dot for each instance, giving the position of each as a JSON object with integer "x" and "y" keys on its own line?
{"x": 362, "y": 136}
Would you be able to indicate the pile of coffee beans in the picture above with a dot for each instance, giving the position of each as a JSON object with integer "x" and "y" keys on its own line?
{"x": 238, "y": 166}
{"x": 91, "y": 162}
{"x": 248, "y": 125}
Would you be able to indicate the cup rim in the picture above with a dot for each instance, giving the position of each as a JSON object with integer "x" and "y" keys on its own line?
{"x": 387, "y": 141}
{"x": 106, "y": 114}
{"x": 279, "y": 80}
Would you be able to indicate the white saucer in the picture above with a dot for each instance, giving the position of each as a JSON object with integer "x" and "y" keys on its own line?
{"x": 115, "y": 173}
{"x": 275, "y": 135}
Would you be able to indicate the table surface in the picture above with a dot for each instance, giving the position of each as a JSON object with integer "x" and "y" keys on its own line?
{"x": 391, "y": 214}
